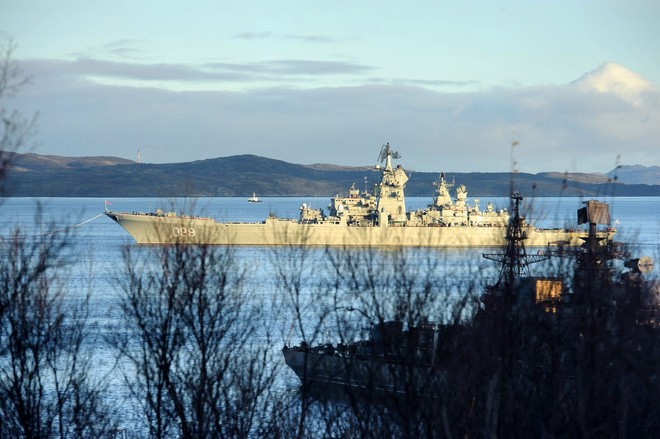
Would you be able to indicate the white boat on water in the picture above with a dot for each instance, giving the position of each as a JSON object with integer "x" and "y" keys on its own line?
{"x": 254, "y": 198}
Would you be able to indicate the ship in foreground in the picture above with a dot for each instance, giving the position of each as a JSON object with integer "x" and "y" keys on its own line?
{"x": 375, "y": 218}
{"x": 416, "y": 361}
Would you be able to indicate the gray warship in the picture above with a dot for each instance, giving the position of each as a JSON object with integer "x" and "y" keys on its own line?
{"x": 391, "y": 361}
{"x": 376, "y": 217}
{"x": 411, "y": 362}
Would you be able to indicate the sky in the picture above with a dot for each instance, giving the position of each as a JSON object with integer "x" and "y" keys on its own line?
{"x": 450, "y": 85}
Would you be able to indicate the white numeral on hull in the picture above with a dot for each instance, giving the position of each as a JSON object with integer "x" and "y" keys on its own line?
{"x": 183, "y": 231}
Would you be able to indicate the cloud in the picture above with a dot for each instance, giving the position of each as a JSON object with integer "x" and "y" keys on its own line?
{"x": 125, "y": 48}
{"x": 271, "y": 71}
{"x": 294, "y": 67}
{"x": 560, "y": 127}
{"x": 423, "y": 82}
{"x": 325, "y": 39}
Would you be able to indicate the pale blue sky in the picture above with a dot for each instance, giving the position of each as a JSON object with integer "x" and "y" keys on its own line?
{"x": 329, "y": 81}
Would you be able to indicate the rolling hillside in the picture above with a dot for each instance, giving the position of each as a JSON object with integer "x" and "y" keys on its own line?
{"x": 35, "y": 175}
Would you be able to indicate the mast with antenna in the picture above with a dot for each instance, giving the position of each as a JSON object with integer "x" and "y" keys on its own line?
{"x": 514, "y": 262}
{"x": 514, "y": 171}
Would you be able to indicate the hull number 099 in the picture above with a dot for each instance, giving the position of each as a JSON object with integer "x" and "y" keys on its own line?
{"x": 183, "y": 231}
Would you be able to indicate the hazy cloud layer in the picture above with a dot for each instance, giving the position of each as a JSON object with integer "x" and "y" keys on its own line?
{"x": 572, "y": 127}
{"x": 272, "y": 71}
{"x": 325, "y": 39}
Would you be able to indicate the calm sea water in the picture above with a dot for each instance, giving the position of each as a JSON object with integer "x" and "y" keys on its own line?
{"x": 98, "y": 241}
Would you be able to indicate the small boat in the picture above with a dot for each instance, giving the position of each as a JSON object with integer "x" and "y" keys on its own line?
{"x": 254, "y": 198}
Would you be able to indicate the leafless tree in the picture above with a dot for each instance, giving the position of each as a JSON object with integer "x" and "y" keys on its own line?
{"x": 356, "y": 289}
{"x": 47, "y": 388}
{"x": 15, "y": 129}
{"x": 311, "y": 307}
{"x": 196, "y": 347}
{"x": 46, "y": 385}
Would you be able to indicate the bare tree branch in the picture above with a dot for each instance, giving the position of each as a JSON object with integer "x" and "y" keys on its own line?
{"x": 15, "y": 129}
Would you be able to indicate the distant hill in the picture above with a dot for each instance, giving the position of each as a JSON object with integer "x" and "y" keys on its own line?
{"x": 36, "y": 162}
{"x": 636, "y": 174}
{"x": 35, "y": 175}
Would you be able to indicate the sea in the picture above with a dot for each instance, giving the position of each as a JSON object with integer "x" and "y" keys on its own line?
{"x": 98, "y": 243}
{"x": 637, "y": 219}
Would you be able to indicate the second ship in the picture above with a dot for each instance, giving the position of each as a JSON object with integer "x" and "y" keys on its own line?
{"x": 376, "y": 218}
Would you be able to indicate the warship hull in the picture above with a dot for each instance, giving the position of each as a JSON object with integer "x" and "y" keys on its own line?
{"x": 322, "y": 371}
{"x": 152, "y": 229}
